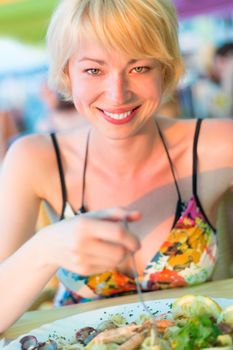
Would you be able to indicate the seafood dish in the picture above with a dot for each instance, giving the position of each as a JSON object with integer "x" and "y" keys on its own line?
{"x": 193, "y": 323}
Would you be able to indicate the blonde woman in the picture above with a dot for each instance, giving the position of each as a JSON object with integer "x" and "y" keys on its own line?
{"x": 117, "y": 60}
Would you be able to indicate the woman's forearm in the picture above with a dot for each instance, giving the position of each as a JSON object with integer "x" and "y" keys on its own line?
{"x": 22, "y": 276}
{"x": 85, "y": 245}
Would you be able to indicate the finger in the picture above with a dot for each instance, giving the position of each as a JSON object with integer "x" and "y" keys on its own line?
{"x": 94, "y": 270}
{"x": 113, "y": 252}
{"x": 86, "y": 265}
{"x": 114, "y": 232}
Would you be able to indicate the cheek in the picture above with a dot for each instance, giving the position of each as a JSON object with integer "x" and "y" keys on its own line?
{"x": 83, "y": 85}
{"x": 81, "y": 94}
{"x": 78, "y": 89}
{"x": 152, "y": 89}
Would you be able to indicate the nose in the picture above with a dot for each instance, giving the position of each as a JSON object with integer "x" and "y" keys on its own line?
{"x": 118, "y": 91}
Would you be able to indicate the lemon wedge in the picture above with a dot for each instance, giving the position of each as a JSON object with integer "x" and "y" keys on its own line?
{"x": 226, "y": 315}
{"x": 190, "y": 305}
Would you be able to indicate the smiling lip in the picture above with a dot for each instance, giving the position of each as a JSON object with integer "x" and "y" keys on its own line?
{"x": 119, "y": 116}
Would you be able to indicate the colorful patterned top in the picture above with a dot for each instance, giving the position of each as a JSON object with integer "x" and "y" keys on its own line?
{"x": 187, "y": 257}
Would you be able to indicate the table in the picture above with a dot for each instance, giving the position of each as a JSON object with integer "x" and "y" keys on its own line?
{"x": 35, "y": 319}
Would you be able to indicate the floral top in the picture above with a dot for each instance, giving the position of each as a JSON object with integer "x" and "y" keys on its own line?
{"x": 187, "y": 257}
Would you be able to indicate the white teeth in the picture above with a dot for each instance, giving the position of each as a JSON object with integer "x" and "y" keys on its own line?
{"x": 117, "y": 116}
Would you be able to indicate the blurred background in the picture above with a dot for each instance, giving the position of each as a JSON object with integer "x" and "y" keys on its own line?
{"x": 27, "y": 105}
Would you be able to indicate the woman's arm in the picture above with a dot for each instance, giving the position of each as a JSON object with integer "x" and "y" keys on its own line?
{"x": 87, "y": 244}
{"x": 19, "y": 206}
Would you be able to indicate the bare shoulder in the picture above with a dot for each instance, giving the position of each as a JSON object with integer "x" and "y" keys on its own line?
{"x": 28, "y": 150}
{"x": 214, "y": 133}
{"x": 219, "y": 128}
{"x": 215, "y": 142}
{"x": 37, "y": 150}
{"x": 216, "y": 136}
{"x": 177, "y": 131}
{"x": 26, "y": 159}
{"x": 34, "y": 155}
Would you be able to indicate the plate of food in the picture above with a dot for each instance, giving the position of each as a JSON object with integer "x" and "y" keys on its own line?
{"x": 187, "y": 323}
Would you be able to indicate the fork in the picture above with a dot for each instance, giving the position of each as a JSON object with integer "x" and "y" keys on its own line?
{"x": 139, "y": 289}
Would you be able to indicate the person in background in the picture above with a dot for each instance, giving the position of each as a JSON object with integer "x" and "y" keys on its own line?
{"x": 128, "y": 182}
{"x": 222, "y": 56}
{"x": 213, "y": 92}
{"x": 222, "y": 72}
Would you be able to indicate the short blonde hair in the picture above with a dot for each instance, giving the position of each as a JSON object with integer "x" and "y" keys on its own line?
{"x": 140, "y": 28}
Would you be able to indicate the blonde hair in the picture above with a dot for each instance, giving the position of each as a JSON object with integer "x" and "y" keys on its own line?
{"x": 140, "y": 28}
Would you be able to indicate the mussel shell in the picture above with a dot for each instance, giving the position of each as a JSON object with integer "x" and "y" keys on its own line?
{"x": 90, "y": 337}
{"x": 84, "y": 333}
{"x": 29, "y": 342}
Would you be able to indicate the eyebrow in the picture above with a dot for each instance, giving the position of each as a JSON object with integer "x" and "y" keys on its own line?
{"x": 102, "y": 63}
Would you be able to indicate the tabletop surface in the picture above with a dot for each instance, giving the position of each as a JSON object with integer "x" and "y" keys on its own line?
{"x": 34, "y": 319}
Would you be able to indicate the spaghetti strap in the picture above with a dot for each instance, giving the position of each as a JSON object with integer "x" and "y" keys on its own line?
{"x": 61, "y": 173}
{"x": 195, "y": 171}
{"x": 83, "y": 208}
{"x": 62, "y": 176}
{"x": 170, "y": 162}
{"x": 195, "y": 158}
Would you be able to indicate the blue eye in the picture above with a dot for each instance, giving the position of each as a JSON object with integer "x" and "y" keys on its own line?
{"x": 93, "y": 71}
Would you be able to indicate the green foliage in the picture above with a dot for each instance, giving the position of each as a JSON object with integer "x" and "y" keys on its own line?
{"x": 26, "y": 20}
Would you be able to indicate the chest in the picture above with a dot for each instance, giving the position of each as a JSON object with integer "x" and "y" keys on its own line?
{"x": 155, "y": 194}
{"x": 154, "y": 191}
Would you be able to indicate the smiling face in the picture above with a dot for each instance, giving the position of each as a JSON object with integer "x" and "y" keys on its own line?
{"x": 118, "y": 94}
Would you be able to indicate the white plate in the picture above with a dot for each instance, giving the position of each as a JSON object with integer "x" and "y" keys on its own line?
{"x": 68, "y": 326}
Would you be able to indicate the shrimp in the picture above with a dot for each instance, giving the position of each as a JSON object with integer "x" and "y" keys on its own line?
{"x": 116, "y": 335}
{"x": 133, "y": 342}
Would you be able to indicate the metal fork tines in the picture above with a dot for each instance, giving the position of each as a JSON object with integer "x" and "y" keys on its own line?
{"x": 139, "y": 290}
